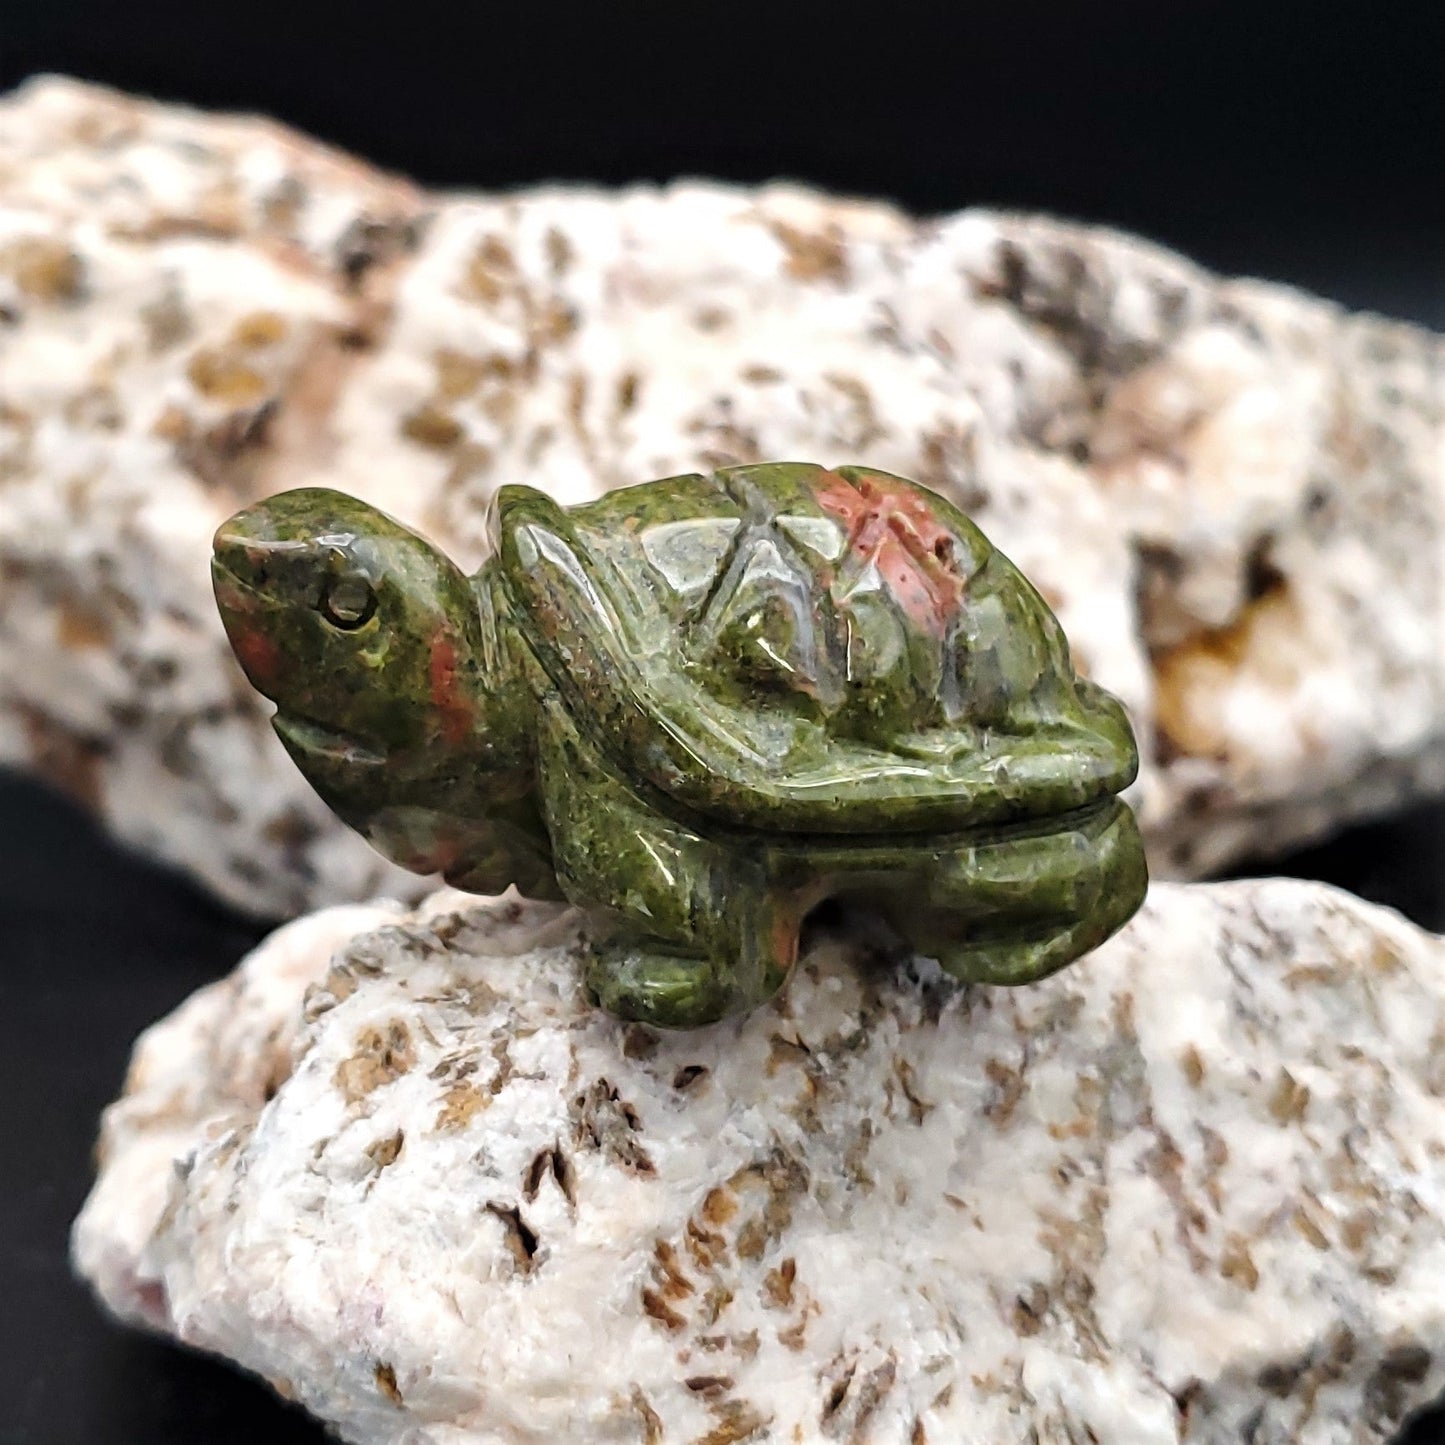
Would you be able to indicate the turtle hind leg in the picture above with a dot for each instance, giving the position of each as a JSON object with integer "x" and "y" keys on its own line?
{"x": 687, "y": 929}
{"x": 1014, "y": 911}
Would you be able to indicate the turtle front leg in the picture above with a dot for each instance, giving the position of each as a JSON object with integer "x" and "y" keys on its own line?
{"x": 687, "y": 930}
{"x": 633, "y": 980}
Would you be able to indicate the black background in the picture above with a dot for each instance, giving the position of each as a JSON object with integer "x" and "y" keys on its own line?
{"x": 1304, "y": 142}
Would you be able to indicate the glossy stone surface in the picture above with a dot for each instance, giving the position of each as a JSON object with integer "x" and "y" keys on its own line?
{"x": 701, "y": 707}
{"x": 1230, "y": 493}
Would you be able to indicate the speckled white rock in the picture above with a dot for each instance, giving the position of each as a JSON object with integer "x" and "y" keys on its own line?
{"x": 1187, "y": 1190}
{"x": 1231, "y": 492}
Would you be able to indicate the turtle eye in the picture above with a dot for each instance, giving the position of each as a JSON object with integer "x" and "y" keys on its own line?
{"x": 348, "y": 601}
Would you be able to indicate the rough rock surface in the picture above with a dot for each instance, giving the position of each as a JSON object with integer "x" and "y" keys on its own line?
{"x": 1232, "y": 493}
{"x": 1187, "y": 1190}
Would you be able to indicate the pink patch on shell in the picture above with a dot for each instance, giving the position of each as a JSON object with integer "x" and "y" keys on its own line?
{"x": 893, "y": 526}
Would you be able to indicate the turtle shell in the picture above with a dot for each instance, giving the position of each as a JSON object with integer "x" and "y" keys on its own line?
{"x": 784, "y": 647}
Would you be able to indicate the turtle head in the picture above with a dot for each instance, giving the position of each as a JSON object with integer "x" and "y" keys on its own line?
{"x": 365, "y": 636}
{"x": 392, "y": 690}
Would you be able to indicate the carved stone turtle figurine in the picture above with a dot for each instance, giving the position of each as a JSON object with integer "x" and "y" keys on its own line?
{"x": 699, "y": 707}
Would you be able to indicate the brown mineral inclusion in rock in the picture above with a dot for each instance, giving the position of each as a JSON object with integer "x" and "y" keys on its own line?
{"x": 698, "y": 708}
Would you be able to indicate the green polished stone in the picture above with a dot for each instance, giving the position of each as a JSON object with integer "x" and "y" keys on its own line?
{"x": 698, "y": 708}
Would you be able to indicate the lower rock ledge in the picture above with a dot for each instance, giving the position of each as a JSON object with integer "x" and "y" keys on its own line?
{"x": 1187, "y": 1190}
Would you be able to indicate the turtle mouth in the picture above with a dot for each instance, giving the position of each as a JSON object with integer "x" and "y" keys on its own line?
{"x": 310, "y": 738}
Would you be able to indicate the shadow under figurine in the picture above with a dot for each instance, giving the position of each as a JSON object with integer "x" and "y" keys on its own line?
{"x": 699, "y": 707}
